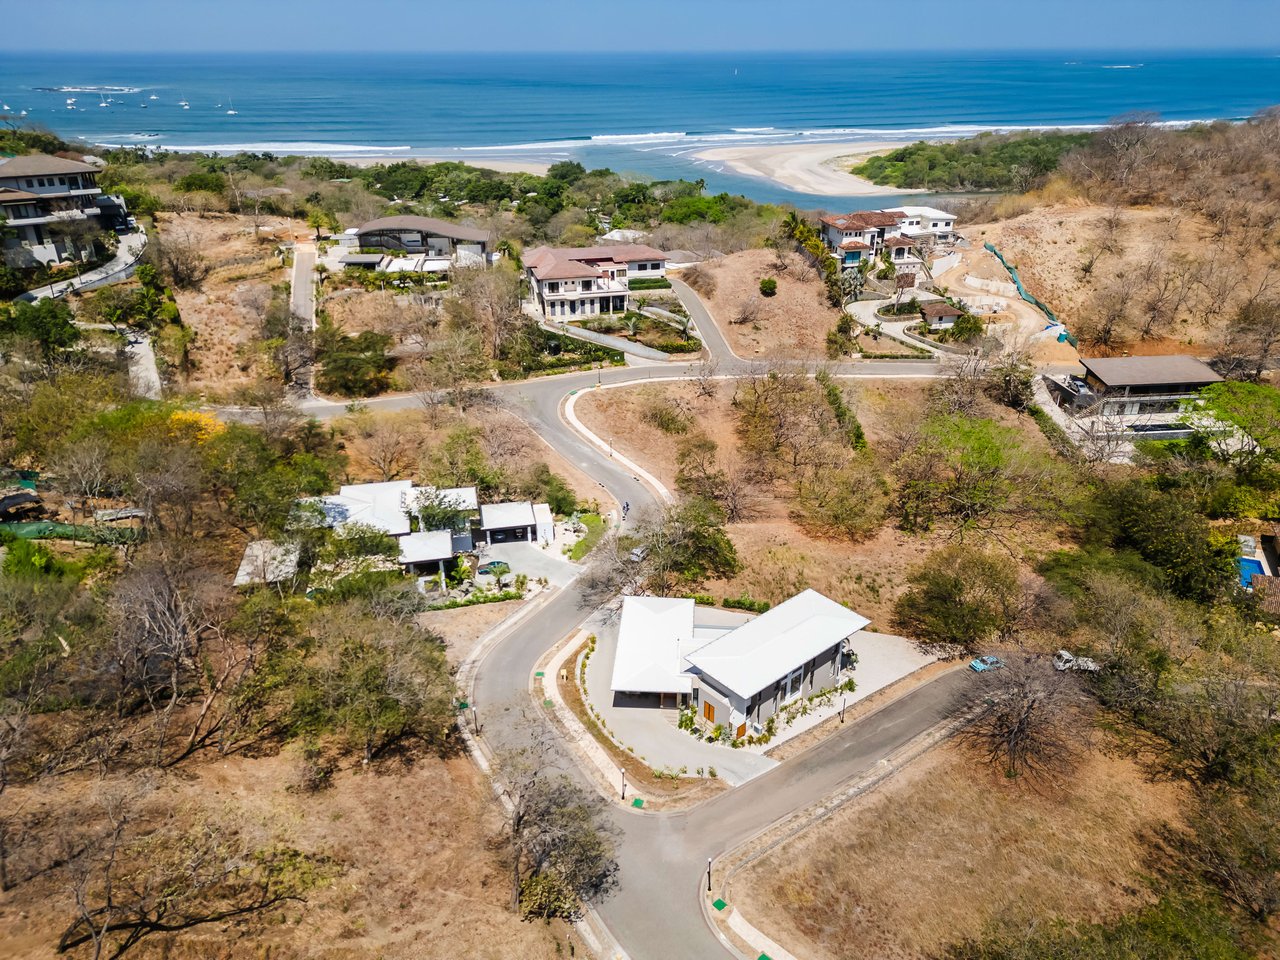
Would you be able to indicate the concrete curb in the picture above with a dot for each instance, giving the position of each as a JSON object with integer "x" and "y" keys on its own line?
{"x": 799, "y": 821}
{"x": 640, "y": 473}
{"x": 591, "y": 755}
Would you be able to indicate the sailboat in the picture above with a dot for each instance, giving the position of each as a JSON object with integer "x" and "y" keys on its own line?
{"x": 102, "y": 97}
{"x": 153, "y": 97}
{"x": 184, "y": 104}
{"x": 233, "y": 111}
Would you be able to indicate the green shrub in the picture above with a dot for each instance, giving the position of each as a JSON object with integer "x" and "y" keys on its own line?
{"x": 768, "y": 287}
{"x": 746, "y": 603}
{"x": 649, "y": 283}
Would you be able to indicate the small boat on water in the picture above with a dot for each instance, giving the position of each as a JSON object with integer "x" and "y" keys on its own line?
{"x": 232, "y": 111}
{"x": 153, "y": 97}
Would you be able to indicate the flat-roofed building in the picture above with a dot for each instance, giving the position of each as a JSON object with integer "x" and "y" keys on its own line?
{"x": 435, "y": 245}
{"x": 1132, "y": 386}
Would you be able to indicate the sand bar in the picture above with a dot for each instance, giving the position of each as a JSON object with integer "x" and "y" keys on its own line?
{"x": 821, "y": 168}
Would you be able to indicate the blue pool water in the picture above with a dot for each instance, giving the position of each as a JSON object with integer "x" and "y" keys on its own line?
{"x": 1248, "y": 567}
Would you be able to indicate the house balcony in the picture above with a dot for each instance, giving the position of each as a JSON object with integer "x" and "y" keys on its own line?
{"x": 599, "y": 288}
{"x": 59, "y": 216}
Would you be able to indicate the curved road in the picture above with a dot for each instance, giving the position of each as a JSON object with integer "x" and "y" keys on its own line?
{"x": 656, "y": 911}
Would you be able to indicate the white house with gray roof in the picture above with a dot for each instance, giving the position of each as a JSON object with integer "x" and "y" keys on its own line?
{"x": 735, "y": 677}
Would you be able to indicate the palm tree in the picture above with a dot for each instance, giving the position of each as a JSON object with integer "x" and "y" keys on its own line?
{"x": 510, "y": 250}
{"x": 793, "y": 224}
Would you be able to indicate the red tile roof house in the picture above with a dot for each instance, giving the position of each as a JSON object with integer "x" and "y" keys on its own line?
{"x": 588, "y": 281}
{"x": 853, "y": 237}
{"x": 940, "y": 315}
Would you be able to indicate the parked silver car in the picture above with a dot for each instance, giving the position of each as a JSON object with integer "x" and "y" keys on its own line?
{"x": 1064, "y": 660}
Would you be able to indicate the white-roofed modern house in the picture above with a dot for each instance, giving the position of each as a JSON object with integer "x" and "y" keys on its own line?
{"x": 517, "y": 521}
{"x": 396, "y": 507}
{"x": 736, "y": 677}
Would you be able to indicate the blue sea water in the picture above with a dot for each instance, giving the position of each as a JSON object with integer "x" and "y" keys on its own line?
{"x": 644, "y": 113}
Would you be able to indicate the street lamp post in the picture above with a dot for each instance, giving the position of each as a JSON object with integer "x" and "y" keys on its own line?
{"x": 708, "y": 874}
{"x": 623, "y": 771}
{"x": 842, "y": 702}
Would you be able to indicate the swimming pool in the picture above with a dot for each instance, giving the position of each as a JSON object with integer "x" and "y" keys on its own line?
{"x": 1248, "y": 567}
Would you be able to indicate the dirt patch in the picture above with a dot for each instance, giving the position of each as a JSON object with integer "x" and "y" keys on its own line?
{"x": 1070, "y": 255}
{"x": 791, "y": 325}
{"x": 418, "y": 872}
{"x": 463, "y": 627}
{"x": 226, "y": 312}
{"x": 946, "y": 846}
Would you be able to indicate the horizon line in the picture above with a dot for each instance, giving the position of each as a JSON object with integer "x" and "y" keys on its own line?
{"x": 970, "y": 51}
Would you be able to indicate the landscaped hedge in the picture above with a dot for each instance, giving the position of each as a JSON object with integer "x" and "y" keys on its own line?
{"x": 746, "y": 603}
{"x": 649, "y": 283}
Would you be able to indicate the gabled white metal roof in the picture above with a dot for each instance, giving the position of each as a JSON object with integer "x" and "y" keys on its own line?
{"x": 650, "y": 635}
{"x": 425, "y": 547}
{"x": 763, "y": 651}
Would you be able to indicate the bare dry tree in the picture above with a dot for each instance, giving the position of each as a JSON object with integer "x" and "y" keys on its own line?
{"x": 1033, "y": 720}
{"x": 705, "y": 377}
{"x": 389, "y": 450}
{"x": 749, "y": 310}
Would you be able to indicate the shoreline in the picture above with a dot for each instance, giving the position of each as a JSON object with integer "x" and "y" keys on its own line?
{"x": 536, "y": 167}
{"x": 816, "y": 168}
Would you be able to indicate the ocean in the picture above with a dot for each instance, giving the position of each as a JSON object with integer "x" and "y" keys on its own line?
{"x": 642, "y": 113}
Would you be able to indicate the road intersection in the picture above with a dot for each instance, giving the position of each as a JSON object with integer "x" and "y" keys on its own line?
{"x": 657, "y": 909}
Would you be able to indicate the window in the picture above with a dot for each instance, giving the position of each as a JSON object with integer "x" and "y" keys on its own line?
{"x": 835, "y": 663}
{"x": 656, "y": 266}
{"x": 935, "y": 223}
{"x": 553, "y": 286}
{"x": 62, "y": 181}
{"x": 642, "y": 266}
{"x": 709, "y": 711}
{"x": 30, "y": 184}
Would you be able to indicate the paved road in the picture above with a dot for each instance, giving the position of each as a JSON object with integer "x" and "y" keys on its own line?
{"x": 128, "y": 252}
{"x": 656, "y": 911}
{"x": 302, "y": 291}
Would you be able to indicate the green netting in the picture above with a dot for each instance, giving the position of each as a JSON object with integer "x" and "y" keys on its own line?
{"x": 1022, "y": 291}
{"x": 49, "y": 530}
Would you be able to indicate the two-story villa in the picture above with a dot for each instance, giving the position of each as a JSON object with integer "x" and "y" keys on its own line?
{"x": 854, "y": 237}
{"x": 587, "y": 281}
{"x": 39, "y": 191}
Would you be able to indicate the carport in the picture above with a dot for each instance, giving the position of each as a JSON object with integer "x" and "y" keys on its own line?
{"x": 507, "y": 522}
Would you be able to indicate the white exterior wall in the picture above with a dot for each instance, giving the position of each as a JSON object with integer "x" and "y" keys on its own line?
{"x": 634, "y": 271}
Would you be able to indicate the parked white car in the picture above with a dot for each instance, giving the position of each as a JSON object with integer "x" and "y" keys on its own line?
{"x": 1064, "y": 660}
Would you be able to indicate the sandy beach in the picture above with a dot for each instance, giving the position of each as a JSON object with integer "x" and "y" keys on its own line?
{"x": 820, "y": 168}
{"x": 501, "y": 166}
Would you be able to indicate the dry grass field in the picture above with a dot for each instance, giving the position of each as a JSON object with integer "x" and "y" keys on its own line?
{"x": 792, "y": 325}
{"x": 225, "y": 312}
{"x": 779, "y": 558}
{"x": 416, "y": 874}
{"x": 947, "y": 847}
